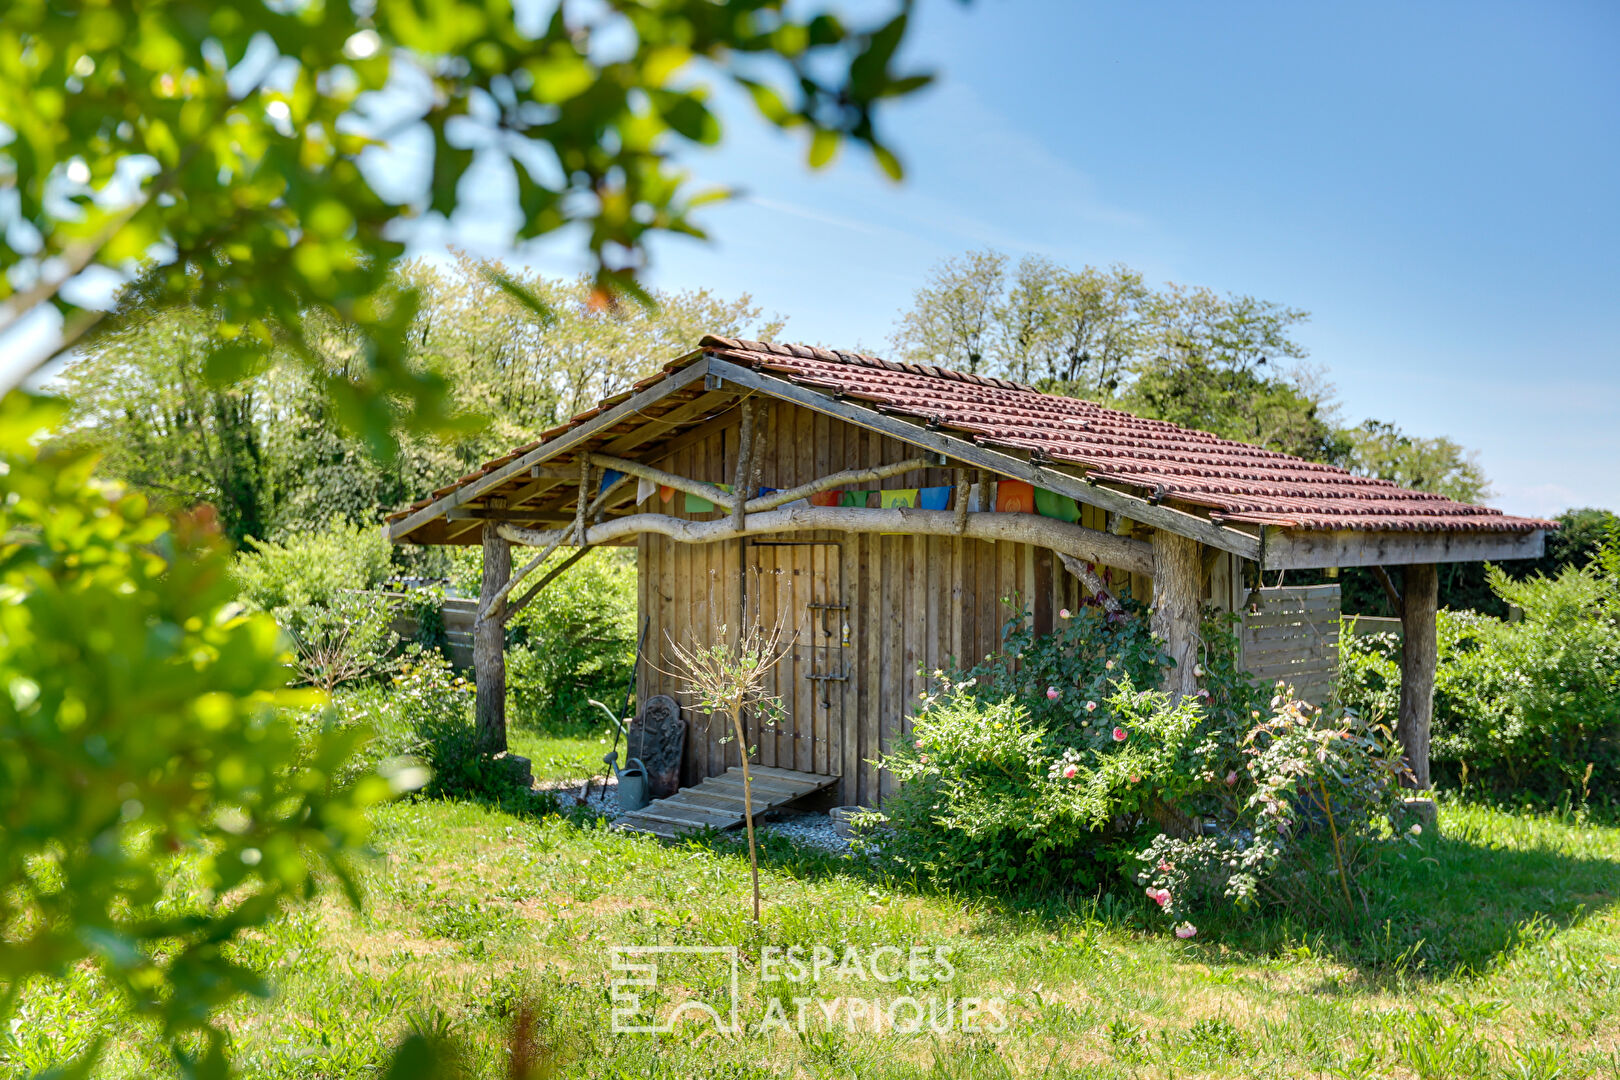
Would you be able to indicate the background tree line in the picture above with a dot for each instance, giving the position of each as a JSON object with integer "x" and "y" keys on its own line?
{"x": 1229, "y": 364}
{"x": 269, "y": 451}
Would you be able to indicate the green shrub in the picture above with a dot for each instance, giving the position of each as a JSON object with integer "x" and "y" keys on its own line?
{"x": 979, "y": 806}
{"x": 1046, "y": 769}
{"x": 318, "y": 586}
{"x": 1033, "y": 769}
{"x": 435, "y": 708}
{"x": 312, "y": 568}
{"x": 1315, "y": 800}
{"x": 575, "y": 642}
{"x": 1524, "y": 707}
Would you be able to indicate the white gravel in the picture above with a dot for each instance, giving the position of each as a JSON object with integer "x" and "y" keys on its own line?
{"x": 810, "y": 830}
{"x": 604, "y": 798}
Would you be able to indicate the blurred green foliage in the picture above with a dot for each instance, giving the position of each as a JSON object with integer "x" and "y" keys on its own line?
{"x": 142, "y": 727}
{"x": 243, "y": 158}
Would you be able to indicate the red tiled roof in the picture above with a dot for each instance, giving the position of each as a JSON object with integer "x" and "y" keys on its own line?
{"x": 1235, "y": 482}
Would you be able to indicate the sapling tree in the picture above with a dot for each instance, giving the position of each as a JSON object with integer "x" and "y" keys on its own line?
{"x": 729, "y": 680}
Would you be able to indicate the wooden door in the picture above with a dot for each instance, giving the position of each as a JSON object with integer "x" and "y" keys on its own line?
{"x": 796, "y": 587}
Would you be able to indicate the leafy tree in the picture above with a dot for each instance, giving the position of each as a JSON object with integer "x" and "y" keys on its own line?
{"x": 240, "y": 157}
{"x": 1212, "y": 365}
{"x": 270, "y": 452}
{"x": 1187, "y": 355}
{"x": 1382, "y": 450}
{"x": 954, "y": 316}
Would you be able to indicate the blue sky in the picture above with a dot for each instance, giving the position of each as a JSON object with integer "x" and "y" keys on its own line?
{"x": 1438, "y": 184}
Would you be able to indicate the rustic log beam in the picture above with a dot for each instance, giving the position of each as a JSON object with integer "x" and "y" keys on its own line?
{"x": 546, "y": 579}
{"x": 720, "y": 498}
{"x": 1090, "y": 545}
{"x": 1390, "y": 591}
{"x": 1419, "y": 656}
{"x": 837, "y": 480}
{"x": 1088, "y": 577}
{"x": 712, "y": 492}
{"x": 745, "y": 466}
{"x": 1177, "y": 595}
{"x": 489, "y": 644}
{"x": 695, "y": 370}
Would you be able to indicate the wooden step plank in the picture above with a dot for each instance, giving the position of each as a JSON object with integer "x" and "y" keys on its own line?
{"x": 678, "y": 821}
{"x": 813, "y": 779}
{"x": 761, "y": 795}
{"x": 669, "y": 810}
{"x": 724, "y": 800}
{"x": 760, "y": 786}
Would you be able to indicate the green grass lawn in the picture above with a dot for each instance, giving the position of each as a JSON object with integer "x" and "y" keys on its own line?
{"x": 566, "y": 754}
{"x": 1497, "y": 954}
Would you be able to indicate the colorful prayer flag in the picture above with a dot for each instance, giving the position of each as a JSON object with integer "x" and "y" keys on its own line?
{"x": 854, "y": 498}
{"x": 934, "y": 498}
{"x": 896, "y": 497}
{"x": 1051, "y": 504}
{"x": 1015, "y": 497}
{"x": 827, "y": 498}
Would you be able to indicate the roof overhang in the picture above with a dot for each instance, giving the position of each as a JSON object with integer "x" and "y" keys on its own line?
{"x": 697, "y": 390}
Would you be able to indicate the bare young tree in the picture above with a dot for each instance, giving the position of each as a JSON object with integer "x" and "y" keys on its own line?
{"x": 730, "y": 680}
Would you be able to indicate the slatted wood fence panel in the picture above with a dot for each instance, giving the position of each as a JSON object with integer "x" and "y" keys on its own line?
{"x": 1292, "y": 635}
{"x": 458, "y": 615}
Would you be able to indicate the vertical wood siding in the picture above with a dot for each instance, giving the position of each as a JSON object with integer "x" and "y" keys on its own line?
{"x": 913, "y": 604}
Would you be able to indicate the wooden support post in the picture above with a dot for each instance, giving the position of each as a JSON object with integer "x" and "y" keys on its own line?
{"x": 1178, "y": 570}
{"x": 489, "y": 643}
{"x": 1419, "y": 655}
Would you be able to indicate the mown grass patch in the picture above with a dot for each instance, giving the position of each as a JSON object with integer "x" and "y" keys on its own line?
{"x": 1495, "y": 953}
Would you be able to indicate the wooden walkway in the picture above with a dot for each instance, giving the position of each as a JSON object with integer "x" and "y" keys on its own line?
{"x": 717, "y": 802}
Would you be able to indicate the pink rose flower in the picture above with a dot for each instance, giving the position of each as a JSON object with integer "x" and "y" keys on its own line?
{"x": 923, "y": 758}
{"x": 1231, "y": 778}
{"x": 1091, "y": 706}
{"x": 1120, "y": 734}
{"x": 1135, "y": 779}
{"x": 1070, "y": 770}
{"x": 1165, "y": 867}
{"x": 1109, "y": 665}
{"x": 1052, "y": 693}
{"x": 1063, "y": 613}
{"x": 1158, "y": 896}
{"x": 918, "y": 744}
{"x": 1186, "y": 930}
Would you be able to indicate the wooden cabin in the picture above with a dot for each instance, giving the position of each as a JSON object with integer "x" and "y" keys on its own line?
{"x": 889, "y": 514}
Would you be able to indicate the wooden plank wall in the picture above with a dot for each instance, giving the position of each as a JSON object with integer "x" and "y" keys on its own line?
{"x": 1294, "y": 637}
{"x": 914, "y": 604}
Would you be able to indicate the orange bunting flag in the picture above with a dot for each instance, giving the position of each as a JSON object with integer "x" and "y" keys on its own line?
{"x": 1015, "y": 497}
